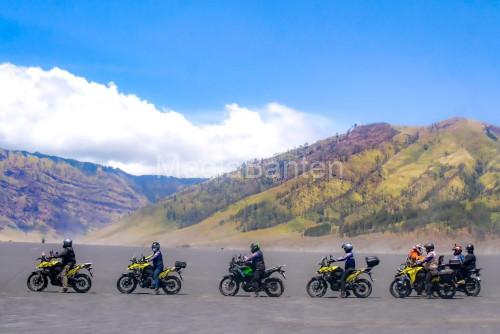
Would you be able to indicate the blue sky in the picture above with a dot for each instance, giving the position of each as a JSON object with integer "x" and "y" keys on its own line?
{"x": 406, "y": 62}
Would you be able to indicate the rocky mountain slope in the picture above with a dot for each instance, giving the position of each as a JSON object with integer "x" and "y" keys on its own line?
{"x": 378, "y": 179}
{"x": 48, "y": 195}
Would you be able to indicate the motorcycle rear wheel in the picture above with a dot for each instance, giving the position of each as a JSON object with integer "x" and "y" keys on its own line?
{"x": 362, "y": 288}
{"x": 81, "y": 283}
{"x": 126, "y": 284}
{"x": 446, "y": 290}
{"x": 316, "y": 287}
{"x": 37, "y": 282}
{"x": 273, "y": 287}
{"x": 171, "y": 285}
{"x": 228, "y": 286}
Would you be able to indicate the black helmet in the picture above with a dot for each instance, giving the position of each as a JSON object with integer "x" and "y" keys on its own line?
{"x": 347, "y": 247}
{"x": 429, "y": 247}
{"x": 155, "y": 246}
{"x": 67, "y": 243}
{"x": 470, "y": 248}
{"x": 254, "y": 247}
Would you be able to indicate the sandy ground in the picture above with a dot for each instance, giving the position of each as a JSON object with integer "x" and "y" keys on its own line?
{"x": 201, "y": 309}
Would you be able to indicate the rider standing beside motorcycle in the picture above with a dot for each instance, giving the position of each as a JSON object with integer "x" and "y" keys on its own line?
{"x": 431, "y": 264}
{"x": 256, "y": 262}
{"x": 68, "y": 260}
{"x": 156, "y": 260}
{"x": 349, "y": 267}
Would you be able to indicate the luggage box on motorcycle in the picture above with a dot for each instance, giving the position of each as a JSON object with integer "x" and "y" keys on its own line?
{"x": 372, "y": 261}
{"x": 180, "y": 264}
{"x": 455, "y": 264}
{"x": 446, "y": 274}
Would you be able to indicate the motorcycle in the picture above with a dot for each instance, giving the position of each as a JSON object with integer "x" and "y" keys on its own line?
{"x": 468, "y": 282}
{"x": 330, "y": 275}
{"x": 408, "y": 278}
{"x": 49, "y": 270}
{"x": 412, "y": 277}
{"x": 140, "y": 272}
{"x": 241, "y": 275}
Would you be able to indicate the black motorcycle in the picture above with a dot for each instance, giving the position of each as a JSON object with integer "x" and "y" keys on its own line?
{"x": 240, "y": 274}
{"x": 467, "y": 281}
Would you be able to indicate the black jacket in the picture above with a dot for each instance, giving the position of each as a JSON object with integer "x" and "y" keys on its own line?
{"x": 469, "y": 262}
{"x": 67, "y": 256}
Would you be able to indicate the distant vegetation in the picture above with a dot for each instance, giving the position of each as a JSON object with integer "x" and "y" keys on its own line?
{"x": 397, "y": 179}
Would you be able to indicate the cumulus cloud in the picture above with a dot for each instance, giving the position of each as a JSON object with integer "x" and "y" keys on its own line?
{"x": 56, "y": 112}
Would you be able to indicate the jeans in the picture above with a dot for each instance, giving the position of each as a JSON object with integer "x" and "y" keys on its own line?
{"x": 156, "y": 279}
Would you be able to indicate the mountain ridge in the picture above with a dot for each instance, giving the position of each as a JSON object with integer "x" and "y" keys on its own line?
{"x": 396, "y": 179}
{"x": 45, "y": 194}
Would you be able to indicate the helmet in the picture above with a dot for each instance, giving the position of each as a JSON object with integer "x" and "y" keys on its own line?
{"x": 420, "y": 248}
{"x": 347, "y": 247}
{"x": 67, "y": 243}
{"x": 254, "y": 247}
{"x": 429, "y": 247}
{"x": 470, "y": 248}
{"x": 155, "y": 246}
{"x": 457, "y": 250}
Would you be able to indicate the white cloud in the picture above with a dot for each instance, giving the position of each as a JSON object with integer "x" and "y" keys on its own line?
{"x": 56, "y": 112}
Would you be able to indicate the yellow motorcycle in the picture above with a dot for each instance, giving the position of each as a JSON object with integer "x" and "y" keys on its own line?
{"x": 140, "y": 272}
{"x": 407, "y": 279}
{"x": 330, "y": 275}
{"x": 49, "y": 270}
{"x": 412, "y": 277}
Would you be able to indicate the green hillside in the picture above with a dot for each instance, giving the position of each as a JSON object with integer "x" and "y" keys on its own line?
{"x": 392, "y": 178}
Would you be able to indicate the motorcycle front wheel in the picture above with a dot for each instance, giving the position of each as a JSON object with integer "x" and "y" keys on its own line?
{"x": 273, "y": 287}
{"x": 316, "y": 287}
{"x": 400, "y": 288}
{"x": 81, "y": 283}
{"x": 126, "y": 284}
{"x": 228, "y": 286}
{"x": 362, "y": 288}
{"x": 171, "y": 285}
{"x": 472, "y": 287}
{"x": 37, "y": 282}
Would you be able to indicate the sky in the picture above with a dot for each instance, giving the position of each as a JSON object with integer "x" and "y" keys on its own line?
{"x": 192, "y": 88}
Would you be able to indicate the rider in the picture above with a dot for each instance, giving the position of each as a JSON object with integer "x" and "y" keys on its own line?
{"x": 415, "y": 254}
{"x": 469, "y": 259}
{"x": 156, "y": 260}
{"x": 68, "y": 261}
{"x": 256, "y": 262}
{"x": 458, "y": 256}
{"x": 431, "y": 264}
{"x": 457, "y": 253}
{"x": 469, "y": 262}
{"x": 349, "y": 267}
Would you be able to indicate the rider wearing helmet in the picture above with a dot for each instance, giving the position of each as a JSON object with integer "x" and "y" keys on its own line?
{"x": 256, "y": 262}
{"x": 156, "y": 260}
{"x": 415, "y": 254}
{"x": 469, "y": 259}
{"x": 431, "y": 264}
{"x": 68, "y": 260}
{"x": 457, "y": 253}
{"x": 349, "y": 267}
